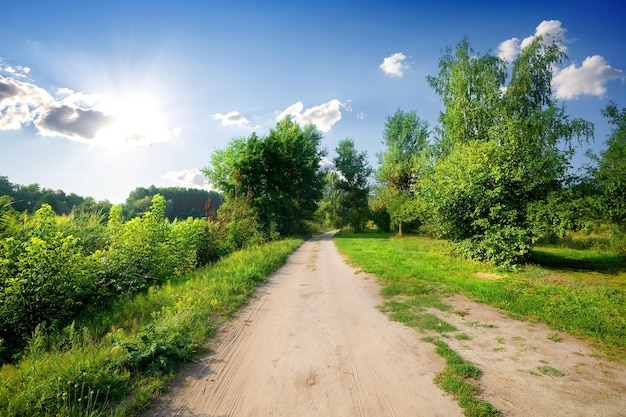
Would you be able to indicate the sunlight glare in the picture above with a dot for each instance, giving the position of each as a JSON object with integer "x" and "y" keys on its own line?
{"x": 137, "y": 120}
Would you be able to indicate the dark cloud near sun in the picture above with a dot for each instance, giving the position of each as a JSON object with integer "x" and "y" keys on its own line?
{"x": 7, "y": 91}
{"x": 72, "y": 122}
{"x": 79, "y": 116}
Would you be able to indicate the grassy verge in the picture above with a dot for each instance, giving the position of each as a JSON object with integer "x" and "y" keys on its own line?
{"x": 580, "y": 292}
{"x": 113, "y": 362}
{"x": 576, "y": 291}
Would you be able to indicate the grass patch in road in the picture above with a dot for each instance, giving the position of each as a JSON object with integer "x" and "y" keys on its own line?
{"x": 580, "y": 300}
{"x": 456, "y": 379}
{"x": 547, "y": 370}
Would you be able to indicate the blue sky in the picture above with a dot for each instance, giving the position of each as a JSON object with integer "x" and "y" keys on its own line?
{"x": 98, "y": 98}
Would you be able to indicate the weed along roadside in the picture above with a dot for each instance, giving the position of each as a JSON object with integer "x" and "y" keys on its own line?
{"x": 113, "y": 364}
{"x": 515, "y": 343}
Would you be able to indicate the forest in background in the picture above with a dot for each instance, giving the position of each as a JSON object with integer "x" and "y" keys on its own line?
{"x": 180, "y": 202}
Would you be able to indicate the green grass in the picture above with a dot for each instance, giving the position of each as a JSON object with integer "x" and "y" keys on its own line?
{"x": 112, "y": 363}
{"x": 550, "y": 371}
{"x": 456, "y": 379}
{"x": 580, "y": 292}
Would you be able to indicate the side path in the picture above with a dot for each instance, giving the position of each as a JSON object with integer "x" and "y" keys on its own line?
{"x": 312, "y": 343}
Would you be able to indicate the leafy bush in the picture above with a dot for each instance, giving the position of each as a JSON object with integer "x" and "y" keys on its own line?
{"x": 46, "y": 278}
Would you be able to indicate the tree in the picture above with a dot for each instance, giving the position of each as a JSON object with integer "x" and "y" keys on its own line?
{"x": 280, "y": 172}
{"x": 401, "y": 164}
{"x": 328, "y": 214}
{"x": 470, "y": 88}
{"x": 355, "y": 172}
{"x": 610, "y": 174}
{"x": 181, "y": 202}
{"x": 496, "y": 162}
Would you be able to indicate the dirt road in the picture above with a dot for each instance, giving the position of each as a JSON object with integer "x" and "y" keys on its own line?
{"x": 312, "y": 343}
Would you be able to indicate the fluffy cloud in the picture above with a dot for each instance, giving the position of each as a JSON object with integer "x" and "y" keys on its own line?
{"x": 323, "y": 116}
{"x": 590, "y": 78}
{"x": 20, "y": 102}
{"x": 234, "y": 118}
{"x": 188, "y": 178}
{"x": 509, "y": 49}
{"x": 551, "y": 32}
{"x": 72, "y": 122}
{"x": 394, "y": 65}
{"x": 572, "y": 81}
{"x": 120, "y": 122}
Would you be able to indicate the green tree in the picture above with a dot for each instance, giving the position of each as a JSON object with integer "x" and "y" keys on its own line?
{"x": 355, "y": 173}
{"x": 329, "y": 211}
{"x": 610, "y": 174}
{"x": 511, "y": 157}
{"x": 280, "y": 172}
{"x": 469, "y": 85}
{"x": 403, "y": 162}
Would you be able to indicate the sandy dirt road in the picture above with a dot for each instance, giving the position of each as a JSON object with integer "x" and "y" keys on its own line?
{"x": 312, "y": 343}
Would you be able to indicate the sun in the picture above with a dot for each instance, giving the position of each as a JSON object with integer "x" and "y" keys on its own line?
{"x": 136, "y": 118}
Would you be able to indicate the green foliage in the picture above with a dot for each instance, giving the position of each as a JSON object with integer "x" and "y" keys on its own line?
{"x": 280, "y": 174}
{"x": 404, "y": 161}
{"x": 46, "y": 277}
{"x": 469, "y": 85}
{"x": 138, "y": 254}
{"x": 54, "y": 268}
{"x": 610, "y": 174}
{"x": 181, "y": 203}
{"x": 567, "y": 210}
{"x": 32, "y": 197}
{"x": 353, "y": 182}
{"x": 501, "y": 154}
{"x": 382, "y": 219}
{"x": 330, "y": 213}
{"x": 100, "y": 369}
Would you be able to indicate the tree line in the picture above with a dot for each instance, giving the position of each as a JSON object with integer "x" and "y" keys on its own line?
{"x": 180, "y": 202}
{"x": 494, "y": 176}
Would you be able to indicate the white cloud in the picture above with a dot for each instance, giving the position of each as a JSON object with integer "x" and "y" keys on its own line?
{"x": 360, "y": 116}
{"x": 509, "y": 49}
{"x": 188, "y": 178}
{"x": 71, "y": 97}
{"x": 114, "y": 122}
{"x": 234, "y": 118}
{"x": 20, "y": 103}
{"x": 551, "y": 31}
{"x": 324, "y": 116}
{"x": 394, "y": 65}
{"x": 590, "y": 78}
{"x": 572, "y": 81}
{"x": 17, "y": 71}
